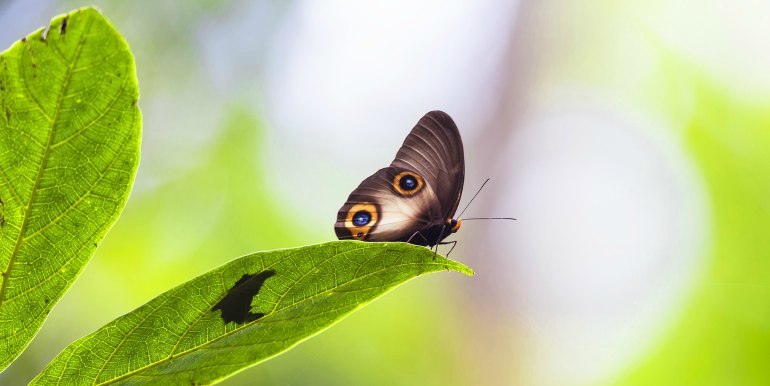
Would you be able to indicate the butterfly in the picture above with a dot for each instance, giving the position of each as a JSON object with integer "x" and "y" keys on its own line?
{"x": 415, "y": 198}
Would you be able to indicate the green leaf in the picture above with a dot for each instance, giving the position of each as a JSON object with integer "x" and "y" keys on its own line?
{"x": 240, "y": 314}
{"x": 69, "y": 148}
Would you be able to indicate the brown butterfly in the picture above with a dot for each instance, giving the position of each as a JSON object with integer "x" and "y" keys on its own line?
{"x": 416, "y": 197}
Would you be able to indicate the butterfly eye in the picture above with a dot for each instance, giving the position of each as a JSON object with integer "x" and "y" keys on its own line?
{"x": 407, "y": 183}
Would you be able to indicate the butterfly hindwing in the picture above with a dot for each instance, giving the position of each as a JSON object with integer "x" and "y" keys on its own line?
{"x": 377, "y": 211}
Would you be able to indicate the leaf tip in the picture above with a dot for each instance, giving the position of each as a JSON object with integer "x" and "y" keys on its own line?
{"x": 464, "y": 269}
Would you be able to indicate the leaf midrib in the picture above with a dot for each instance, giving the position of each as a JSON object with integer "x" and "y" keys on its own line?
{"x": 44, "y": 162}
{"x": 229, "y": 333}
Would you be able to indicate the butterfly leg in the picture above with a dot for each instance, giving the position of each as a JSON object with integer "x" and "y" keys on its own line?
{"x": 438, "y": 242}
{"x": 454, "y": 244}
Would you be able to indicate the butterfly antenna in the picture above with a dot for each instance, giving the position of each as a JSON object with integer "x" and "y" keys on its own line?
{"x": 472, "y": 198}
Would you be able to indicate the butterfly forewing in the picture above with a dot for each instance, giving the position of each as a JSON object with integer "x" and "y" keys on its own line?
{"x": 434, "y": 149}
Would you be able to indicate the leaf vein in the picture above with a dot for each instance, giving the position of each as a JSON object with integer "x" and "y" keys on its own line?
{"x": 95, "y": 120}
{"x": 85, "y": 195}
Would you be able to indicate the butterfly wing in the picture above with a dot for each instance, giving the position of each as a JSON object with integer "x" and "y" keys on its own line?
{"x": 434, "y": 150}
{"x": 417, "y": 193}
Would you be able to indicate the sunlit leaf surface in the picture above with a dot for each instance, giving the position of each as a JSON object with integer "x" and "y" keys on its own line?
{"x": 69, "y": 148}
{"x": 240, "y": 314}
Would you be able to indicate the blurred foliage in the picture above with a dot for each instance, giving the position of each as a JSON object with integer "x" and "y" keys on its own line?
{"x": 723, "y": 335}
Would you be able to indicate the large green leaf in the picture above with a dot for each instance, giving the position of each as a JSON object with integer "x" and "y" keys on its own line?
{"x": 240, "y": 314}
{"x": 69, "y": 148}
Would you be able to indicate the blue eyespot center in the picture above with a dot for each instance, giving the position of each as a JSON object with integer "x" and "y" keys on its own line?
{"x": 361, "y": 218}
{"x": 408, "y": 182}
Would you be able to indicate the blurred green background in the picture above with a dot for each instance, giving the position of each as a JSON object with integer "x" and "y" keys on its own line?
{"x": 631, "y": 139}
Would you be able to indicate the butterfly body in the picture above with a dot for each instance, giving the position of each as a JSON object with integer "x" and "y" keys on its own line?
{"x": 415, "y": 198}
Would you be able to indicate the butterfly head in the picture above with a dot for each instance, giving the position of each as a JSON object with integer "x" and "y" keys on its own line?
{"x": 454, "y": 224}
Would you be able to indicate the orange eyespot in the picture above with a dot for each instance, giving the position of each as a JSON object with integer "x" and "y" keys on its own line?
{"x": 407, "y": 183}
{"x": 360, "y": 219}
